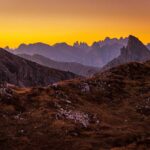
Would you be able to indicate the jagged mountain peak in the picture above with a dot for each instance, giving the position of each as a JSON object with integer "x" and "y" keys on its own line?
{"x": 96, "y": 45}
{"x": 82, "y": 45}
{"x": 135, "y": 51}
{"x": 135, "y": 43}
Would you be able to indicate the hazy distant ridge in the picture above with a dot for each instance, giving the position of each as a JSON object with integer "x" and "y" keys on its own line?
{"x": 97, "y": 55}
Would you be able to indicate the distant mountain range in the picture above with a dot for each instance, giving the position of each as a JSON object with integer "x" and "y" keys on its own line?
{"x": 97, "y": 55}
{"x": 135, "y": 51}
{"x": 18, "y": 71}
{"x": 101, "y": 55}
{"x": 65, "y": 66}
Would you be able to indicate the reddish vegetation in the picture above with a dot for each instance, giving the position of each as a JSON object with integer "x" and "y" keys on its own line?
{"x": 108, "y": 111}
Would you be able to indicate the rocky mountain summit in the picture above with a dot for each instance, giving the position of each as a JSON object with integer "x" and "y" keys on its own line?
{"x": 135, "y": 51}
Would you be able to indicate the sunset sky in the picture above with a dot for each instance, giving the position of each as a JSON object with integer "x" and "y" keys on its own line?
{"x": 51, "y": 21}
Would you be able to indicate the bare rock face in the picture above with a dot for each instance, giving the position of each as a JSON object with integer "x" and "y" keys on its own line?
{"x": 21, "y": 72}
{"x": 148, "y": 46}
{"x": 85, "y": 88}
{"x": 135, "y": 51}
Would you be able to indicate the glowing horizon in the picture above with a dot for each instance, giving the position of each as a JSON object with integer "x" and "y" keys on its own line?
{"x": 55, "y": 21}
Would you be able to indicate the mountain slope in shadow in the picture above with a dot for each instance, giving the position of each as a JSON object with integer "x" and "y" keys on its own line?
{"x": 65, "y": 66}
{"x": 18, "y": 71}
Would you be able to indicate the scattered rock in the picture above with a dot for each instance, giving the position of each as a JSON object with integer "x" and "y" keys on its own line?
{"x": 85, "y": 87}
{"x": 78, "y": 117}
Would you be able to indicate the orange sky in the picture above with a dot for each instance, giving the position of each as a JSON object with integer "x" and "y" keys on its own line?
{"x": 51, "y": 21}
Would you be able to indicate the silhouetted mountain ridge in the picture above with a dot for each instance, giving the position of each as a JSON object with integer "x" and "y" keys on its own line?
{"x": 134, "y": 51}
{"x": 97, "y": 55}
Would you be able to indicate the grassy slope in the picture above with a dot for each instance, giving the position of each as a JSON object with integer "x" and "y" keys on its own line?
{"x": 116, "y": 102}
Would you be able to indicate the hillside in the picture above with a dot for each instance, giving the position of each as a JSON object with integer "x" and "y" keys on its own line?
{"x": 65, "y": 66}
{"x": 18, "y": 71}
{"x": 108, "y": 111}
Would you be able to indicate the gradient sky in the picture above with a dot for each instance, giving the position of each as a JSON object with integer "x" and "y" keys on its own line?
{"x": 51, "y": 21}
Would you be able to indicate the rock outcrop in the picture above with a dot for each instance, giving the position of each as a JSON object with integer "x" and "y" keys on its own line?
{"x": 135, "y": 51}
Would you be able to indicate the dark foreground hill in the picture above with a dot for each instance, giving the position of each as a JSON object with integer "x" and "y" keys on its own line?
{"x": 76, "y": 68}
{"x": 18, "y": 71}
{"x": 110, "y": 111}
